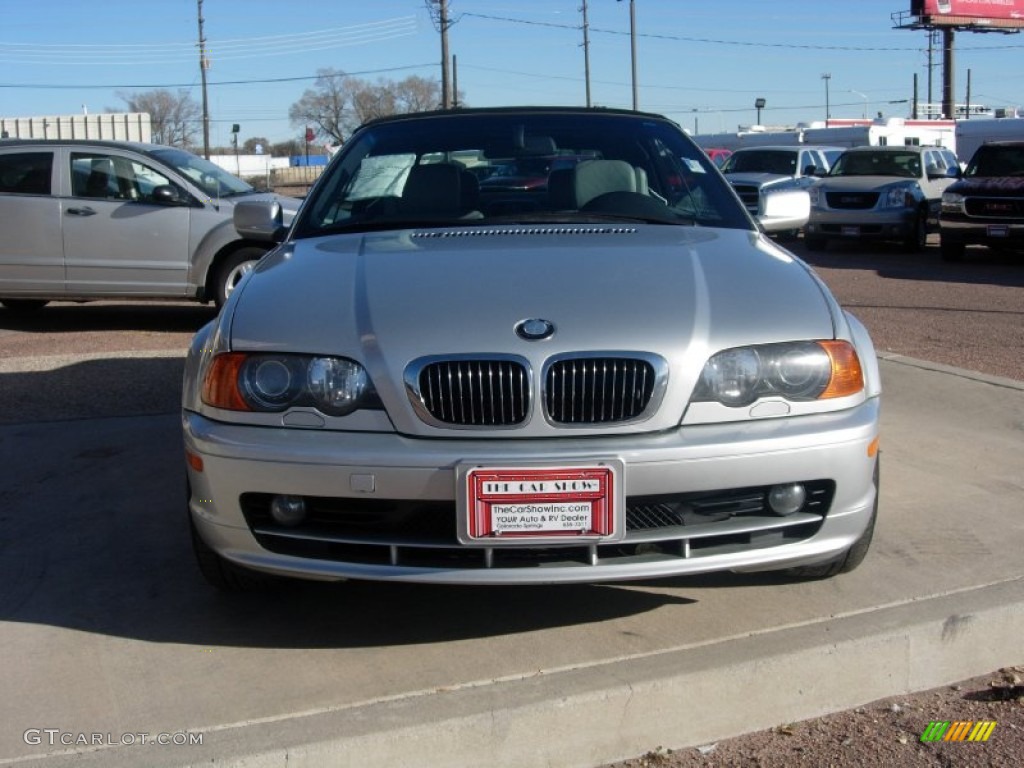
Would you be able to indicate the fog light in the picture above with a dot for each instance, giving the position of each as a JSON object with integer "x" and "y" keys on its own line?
{"x": 288, "y": 510}
{"x": 787, "y": 499}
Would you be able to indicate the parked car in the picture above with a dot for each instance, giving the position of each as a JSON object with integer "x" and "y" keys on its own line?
{"x": 772, "y": 181}
{"x": 630, "y": 382}
{"x": 100, "y": 219}
{"x": 881, "y": 193}
{"x": 986, "y": 207}
{"x": 718, "y": 155}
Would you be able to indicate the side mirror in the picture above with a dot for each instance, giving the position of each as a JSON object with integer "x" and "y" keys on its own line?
{"x": 167, "y": 194}
{"x": 811, "y": 170}
{"x": 260, "y": 220}
{"x": 953, "y": 172}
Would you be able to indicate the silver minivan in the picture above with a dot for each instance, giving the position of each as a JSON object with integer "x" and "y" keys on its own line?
{"x": 84, "y": 220}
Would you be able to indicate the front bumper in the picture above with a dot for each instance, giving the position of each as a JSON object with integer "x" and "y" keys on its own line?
{"x": 991, "y": 232}
{"x": 890, "y": 224}
{"x": 357, "y": 477}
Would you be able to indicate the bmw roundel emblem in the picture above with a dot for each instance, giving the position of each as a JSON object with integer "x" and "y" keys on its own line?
{"x": 534, "y": 329}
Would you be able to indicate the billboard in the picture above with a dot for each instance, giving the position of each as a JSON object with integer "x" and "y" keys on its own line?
{"x": 1005, "y": 14}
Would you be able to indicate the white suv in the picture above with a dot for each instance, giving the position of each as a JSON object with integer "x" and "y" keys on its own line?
{"x": 772, "y": 182}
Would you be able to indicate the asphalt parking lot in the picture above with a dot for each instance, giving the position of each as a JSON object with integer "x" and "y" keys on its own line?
{"x": 107, "y": 631}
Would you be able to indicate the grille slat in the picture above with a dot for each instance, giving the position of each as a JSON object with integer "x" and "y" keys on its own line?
{"x": 496, "y": 392}
{"x": 858, "y": 201}
{"x": 994, "y": 207}
{"x": 475, "y": 392}
{"x": 599, "y": 390}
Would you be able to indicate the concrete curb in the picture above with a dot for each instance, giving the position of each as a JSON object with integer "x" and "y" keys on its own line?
{"x": 963, "y": 373}
{"x": 592, "y": 715}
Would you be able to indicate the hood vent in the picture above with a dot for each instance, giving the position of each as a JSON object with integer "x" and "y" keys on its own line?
{"x": 519, "y": 231}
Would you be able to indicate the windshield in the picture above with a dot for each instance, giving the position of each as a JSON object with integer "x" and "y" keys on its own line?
{"x": 905, "y": 165}
{"x": 993, "y": 160}
{"x": 519, "y": 166}
{"x": 776, "y": 161}
{"x": 214, "y": 180}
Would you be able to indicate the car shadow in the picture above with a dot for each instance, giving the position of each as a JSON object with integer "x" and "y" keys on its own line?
{"x": 90, "y": 389}
{"x": 96, "y": 540}
{"x": 70, "y": 317}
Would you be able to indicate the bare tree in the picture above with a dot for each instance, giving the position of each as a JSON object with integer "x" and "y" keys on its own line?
{"x": 416, "y": 94}
{"x": 174, "y": 117}
{"x": 338, "y": 104}
{"x": 370, "y": 101}
{"x": 325, "y": 107}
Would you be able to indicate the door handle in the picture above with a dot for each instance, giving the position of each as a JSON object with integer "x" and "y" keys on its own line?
{"x": 86, "y": 211}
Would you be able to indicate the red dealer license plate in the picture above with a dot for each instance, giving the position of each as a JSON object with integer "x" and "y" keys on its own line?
{"x": 511, "y": 504}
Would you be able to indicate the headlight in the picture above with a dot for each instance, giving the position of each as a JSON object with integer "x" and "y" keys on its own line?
{"x": 814, "y": 193}
{"x": 952, "y": 202}
{"x": 803, "y": 370}
{"x": 899, "y": 197}
{"x": 238, "y": 381}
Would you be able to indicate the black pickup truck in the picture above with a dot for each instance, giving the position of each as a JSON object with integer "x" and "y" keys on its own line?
{"x": 986, "y": 206}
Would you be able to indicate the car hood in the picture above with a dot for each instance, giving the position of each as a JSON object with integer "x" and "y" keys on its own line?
{"x": 756, "y": 179}
{"x": 387, "y": 299}
{"x": 1005, "y": 185}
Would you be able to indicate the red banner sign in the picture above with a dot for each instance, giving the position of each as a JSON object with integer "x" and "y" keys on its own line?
{"x": 1011, "y": 10}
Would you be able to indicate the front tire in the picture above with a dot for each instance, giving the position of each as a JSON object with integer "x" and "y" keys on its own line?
{"x": 217, "y": 571}
{"x": 848, "y": 560}
{"x": 231, "y": 271}
{"x": 221, "y": 574}
{"x": 917, "y": 238}
{"x": 952, "y": 252}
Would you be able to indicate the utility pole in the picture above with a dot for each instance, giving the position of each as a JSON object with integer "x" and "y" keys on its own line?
{"x": 826, "y": 77}
{"x": 948, "y": 94}
{"x": 455, "y": 81}
{"x": 586, "y": 49}
{"x": 632, "y": 48}
{"x": 439, "y": 14}
{"x": 204, "y": 64}
{"x": 446, "y": 93}
{"x": 933, "y": 36}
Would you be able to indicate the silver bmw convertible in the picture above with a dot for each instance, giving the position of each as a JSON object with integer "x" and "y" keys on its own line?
{"x": 526, "y": 346}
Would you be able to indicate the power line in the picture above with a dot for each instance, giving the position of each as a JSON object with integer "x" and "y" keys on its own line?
{"x": 713, "y": 41}
{"x": 231, "y": 49}
{"x": 65, "y": 86}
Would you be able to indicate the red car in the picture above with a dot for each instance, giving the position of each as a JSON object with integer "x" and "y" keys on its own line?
{"x": 718, "y": 156}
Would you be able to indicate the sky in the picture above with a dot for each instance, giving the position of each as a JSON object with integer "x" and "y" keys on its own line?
{"x": 701, "y": 62}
